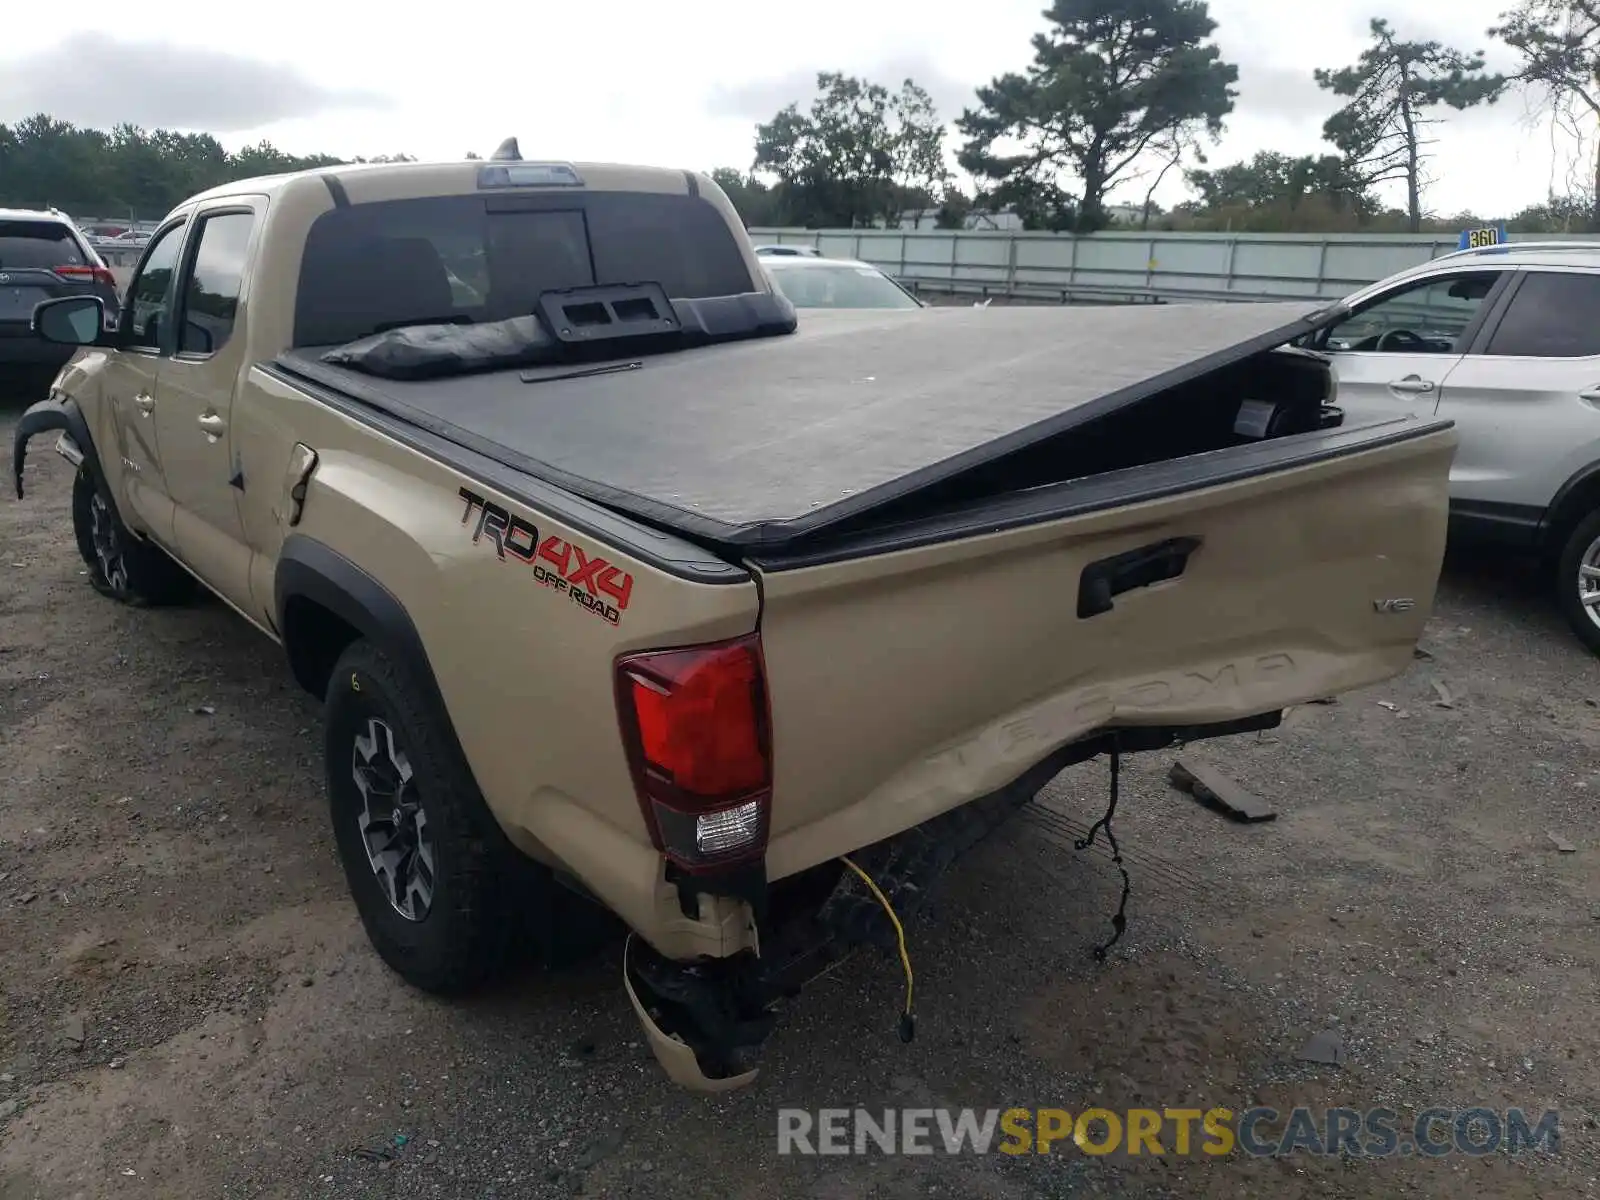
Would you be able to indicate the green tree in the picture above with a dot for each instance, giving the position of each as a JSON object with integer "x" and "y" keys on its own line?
{"x": 953, "y": 209}
{"x": 1558, "y": 214}
{"x": 1110, "y": 79}
{"x": 919, "y": 165}
{"x": 753, "y": 200}
{"x": 1388, "y": 94}
{"x": 1280, "y": 181}
{"x": 835, "y": 162}
{"x": 859, "y": 155}
{"x": 1558, "y": 42}
{"x": 128, "y": 170}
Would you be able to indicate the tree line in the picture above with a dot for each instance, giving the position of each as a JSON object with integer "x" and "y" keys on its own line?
{"x": 1118, "y": 95}
{"x": 128, "y": 171}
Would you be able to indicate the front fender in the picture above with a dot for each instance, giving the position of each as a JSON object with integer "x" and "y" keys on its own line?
{"x": 60, "y": 413}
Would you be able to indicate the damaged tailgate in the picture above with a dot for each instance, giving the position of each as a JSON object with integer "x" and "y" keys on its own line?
{"x": 913, "y": 675}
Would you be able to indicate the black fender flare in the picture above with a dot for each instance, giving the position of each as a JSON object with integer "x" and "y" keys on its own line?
{"x": 55, "y": 413}
{"x": 308, "y": 569}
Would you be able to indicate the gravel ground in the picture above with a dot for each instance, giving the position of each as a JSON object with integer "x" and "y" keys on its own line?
{"x": 188, "y": 1006}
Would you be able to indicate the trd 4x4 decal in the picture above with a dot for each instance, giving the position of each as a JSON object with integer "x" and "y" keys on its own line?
{"x": 563, "y": 566}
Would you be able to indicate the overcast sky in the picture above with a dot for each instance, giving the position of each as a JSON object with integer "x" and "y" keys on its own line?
{"x": 684, "y": 84}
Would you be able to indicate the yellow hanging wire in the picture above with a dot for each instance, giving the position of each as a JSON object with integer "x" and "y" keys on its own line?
{"x": 907, "y": 1026}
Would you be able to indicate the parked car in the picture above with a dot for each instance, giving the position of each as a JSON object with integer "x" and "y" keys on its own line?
{"x": 1505, "y": 342}
{"x": 837, "y": 283}
{"x": 735, "y": 624}
{"x": 43, "y": 255}
{"x": 787, "y": 250}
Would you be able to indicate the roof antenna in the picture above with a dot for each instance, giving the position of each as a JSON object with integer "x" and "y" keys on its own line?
{"x": 507, "y": 151}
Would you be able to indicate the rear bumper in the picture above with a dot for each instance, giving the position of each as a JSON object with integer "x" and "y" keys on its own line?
{"x": 707, "y": 1019}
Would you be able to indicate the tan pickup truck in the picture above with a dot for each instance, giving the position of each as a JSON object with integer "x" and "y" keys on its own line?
{"x": 627, "y": 590}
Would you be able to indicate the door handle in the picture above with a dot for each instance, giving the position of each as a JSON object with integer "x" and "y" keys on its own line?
{"x": 1592, "y": 395}
{"x": 145, "y": 403}
{"x": 1411, "y": 385}
{"x": 1139, "y": 568}
{"x": 212, "y": 425}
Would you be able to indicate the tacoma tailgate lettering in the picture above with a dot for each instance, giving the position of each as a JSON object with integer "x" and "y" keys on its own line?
{"x": 586, "y": 578}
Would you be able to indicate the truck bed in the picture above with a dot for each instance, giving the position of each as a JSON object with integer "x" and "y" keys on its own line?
{"x": 755, "y": 445}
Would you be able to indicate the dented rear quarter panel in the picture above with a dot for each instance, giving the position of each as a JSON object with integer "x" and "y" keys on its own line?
{"x": 525, "y": 672}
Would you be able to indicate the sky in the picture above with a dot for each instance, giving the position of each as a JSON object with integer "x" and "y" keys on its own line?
{"x": 684, "y": 84}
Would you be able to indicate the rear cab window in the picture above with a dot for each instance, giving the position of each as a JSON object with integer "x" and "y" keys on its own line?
{"x": 477, "y": 258}
{"x": 43, "y": 245}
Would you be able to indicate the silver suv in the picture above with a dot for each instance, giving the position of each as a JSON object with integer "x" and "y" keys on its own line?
{"x": 1504, "y": 341}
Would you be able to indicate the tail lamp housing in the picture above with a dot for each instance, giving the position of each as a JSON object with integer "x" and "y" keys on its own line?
{"x": 83, "y": 271}
{"x": 698, "y": 732}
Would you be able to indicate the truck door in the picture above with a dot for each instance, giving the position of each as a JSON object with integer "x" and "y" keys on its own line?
{"x": 129, "y": 383}
{"x": 194, "y": 404}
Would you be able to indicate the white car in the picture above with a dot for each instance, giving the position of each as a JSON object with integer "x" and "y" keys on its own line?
{"x": 787, "y": 250}
{"x": 836, "y": 283}
{"x": 1504, "y": 341}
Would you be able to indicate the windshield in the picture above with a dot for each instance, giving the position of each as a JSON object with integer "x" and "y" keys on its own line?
{"x": 840, "y": 285}
{"x": 475, "y": 258}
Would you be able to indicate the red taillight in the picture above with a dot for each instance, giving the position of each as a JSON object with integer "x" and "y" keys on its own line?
{"x": 78, "y": 271}
{"x": 698, "y": 736}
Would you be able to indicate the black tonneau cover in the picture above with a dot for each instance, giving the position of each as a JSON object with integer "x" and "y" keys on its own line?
{"x": 757, "y": 444}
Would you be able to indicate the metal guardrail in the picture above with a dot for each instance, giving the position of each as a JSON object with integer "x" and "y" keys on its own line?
{"x": 1127, "y": 266}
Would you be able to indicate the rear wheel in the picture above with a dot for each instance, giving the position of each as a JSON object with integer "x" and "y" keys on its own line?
{"x": 1578, "y": 580}
{"x": 445, "y": 898}
{"x": 120, "y": 565}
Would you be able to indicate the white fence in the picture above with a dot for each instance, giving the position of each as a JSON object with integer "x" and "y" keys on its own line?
{"x": 1131, "y": 266}
{"x": 1114, "y": 266}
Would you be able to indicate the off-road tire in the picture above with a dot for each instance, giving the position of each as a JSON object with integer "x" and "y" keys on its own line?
{"x": 122, "y": 566}
{"x": 490, "y": 904}
{"x": 1581, "y": 543}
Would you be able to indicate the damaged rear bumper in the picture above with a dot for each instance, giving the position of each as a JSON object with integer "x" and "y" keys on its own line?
{"x": 707, "y": 1020}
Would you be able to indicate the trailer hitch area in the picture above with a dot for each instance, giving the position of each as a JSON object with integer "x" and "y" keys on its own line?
{"x": 36, "y": 419}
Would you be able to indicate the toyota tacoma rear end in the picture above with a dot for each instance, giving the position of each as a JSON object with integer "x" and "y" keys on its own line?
{"x": 626, "y": 588}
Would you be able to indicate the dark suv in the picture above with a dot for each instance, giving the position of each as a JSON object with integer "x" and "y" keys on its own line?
{"x": 42, "y": 255}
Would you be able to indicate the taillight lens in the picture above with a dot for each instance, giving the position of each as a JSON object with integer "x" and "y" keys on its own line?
{"x": 699, "y": 740}
{"x": 78, "y": 271}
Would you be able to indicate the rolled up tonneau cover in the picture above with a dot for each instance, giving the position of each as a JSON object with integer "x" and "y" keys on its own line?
{"x": 756, "y": 444}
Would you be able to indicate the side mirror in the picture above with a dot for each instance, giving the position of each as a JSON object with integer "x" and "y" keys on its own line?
{"x": 70, "y": 320}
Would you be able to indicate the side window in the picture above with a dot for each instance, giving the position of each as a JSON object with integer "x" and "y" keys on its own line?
{"x": 1428, "y": 317}
{"x": 150, "y": 294}
{"x": 211, "y": 291}
{"x": 1555, "y": 314}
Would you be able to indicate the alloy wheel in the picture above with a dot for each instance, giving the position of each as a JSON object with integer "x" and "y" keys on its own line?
{"x": 107, "y": 543}
{"x": 1589, "y": 581}
{"x": 393, "y": 826}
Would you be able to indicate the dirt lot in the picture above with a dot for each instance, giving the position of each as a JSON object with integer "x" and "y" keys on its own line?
{"x": 168, "y": 895}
